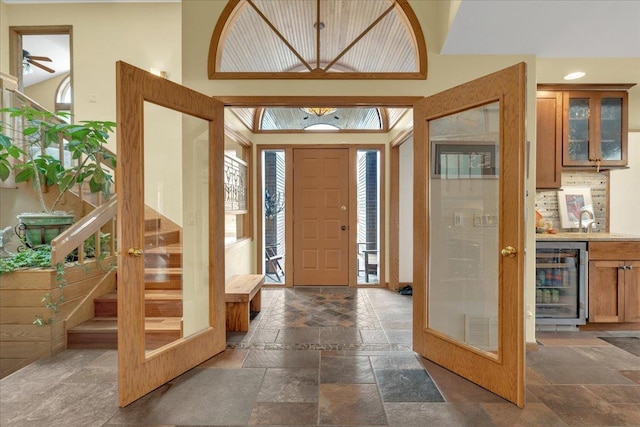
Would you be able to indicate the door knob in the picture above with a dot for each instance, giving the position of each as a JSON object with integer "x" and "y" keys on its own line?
{"x": 344, "y": 227}
{"x": 136, "y": 252}
{"x": 509, "y": 251}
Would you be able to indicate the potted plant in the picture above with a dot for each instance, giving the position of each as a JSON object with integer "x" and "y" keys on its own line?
{"x": 30, "y": 150}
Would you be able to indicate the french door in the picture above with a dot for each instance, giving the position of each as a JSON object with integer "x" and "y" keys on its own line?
{"x": 469, "y": 203}
{"x": 171, "y": 230}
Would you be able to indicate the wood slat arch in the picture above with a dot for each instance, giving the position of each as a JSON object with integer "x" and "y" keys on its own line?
{"x": 321, "y": 39}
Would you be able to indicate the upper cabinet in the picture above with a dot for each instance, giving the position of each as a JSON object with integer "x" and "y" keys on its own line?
{"x": 580, "y": 126}
{"x": 595, "y": 129}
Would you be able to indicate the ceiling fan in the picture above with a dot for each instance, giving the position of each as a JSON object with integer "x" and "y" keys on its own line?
{"x": 28, "y": 60}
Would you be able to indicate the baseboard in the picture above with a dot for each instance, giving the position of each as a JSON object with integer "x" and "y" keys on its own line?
{"x": 531, "y": 347}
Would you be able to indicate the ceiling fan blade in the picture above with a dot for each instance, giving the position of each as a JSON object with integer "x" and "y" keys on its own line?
{"x": 47, "y": 69}
{"x": 39, "y": 58}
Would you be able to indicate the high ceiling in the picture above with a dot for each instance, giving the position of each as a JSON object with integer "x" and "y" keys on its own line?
{"x": 545, "y": 28}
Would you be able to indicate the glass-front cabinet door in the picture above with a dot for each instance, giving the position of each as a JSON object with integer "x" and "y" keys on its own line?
{"x": 595, "y": 129}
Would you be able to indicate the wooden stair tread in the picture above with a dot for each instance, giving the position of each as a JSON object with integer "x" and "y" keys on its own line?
{"x": 163, "y": 270}
{"x": 110, "y": 324}
{"x": 149, "y": 294}
{"x": 173, "y": 248}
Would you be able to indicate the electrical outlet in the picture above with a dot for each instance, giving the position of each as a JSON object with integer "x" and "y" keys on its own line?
{"x": 457, "y": 219}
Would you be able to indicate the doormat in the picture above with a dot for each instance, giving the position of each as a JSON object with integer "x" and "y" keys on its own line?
{"x": 629, "y": 344}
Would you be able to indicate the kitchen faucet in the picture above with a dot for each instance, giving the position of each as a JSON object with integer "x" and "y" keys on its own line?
{"x": 589, "y": 226}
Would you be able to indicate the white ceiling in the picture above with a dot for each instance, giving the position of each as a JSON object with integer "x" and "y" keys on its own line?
{"x": 546, "y": 28}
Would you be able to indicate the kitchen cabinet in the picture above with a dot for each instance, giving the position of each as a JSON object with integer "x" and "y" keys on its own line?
{"x": 548, "y": 139}
{"x": 594, "y": 128}
{"x": 614, "y": 282}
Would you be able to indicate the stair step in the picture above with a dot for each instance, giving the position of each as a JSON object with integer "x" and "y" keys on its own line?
{"x": 103, "y": 333}
{"x": 163, "y": 278}
{"x": 164, "y": 256}
{"x": 151, "y": 224}
{"x": 157, "y": 303}
{"x": 155, "y": 239}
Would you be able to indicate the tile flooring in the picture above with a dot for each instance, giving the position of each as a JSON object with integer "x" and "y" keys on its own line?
{"x": 335, "y": 357}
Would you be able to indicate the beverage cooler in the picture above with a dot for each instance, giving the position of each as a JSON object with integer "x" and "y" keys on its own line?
{"x": 561, "y": 283}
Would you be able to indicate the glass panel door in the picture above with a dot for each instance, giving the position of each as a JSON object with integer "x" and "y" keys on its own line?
{"x": 368, "y": 211}
{"x": 274, "y": 225}
{"x": 464, "y": 226}
{"x": 578, "y": 150}
{"x": 171, "y": 308}
{"x": 610, "y": 128}
{"x": 468, "y": 239}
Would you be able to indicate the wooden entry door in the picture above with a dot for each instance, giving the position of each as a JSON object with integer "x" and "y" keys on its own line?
{"x": 321, "y": 216}
{"x": 189, "y": 221}
{"x": 469, "y": 222}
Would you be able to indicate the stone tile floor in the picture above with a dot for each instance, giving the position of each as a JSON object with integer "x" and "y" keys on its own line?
{"x": 334, "y": 357}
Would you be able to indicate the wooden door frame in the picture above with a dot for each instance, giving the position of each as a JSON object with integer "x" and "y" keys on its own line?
{"x": 288, "y": 267}
{"x": 15, "y": 47}
{"x": 336, "y": 101}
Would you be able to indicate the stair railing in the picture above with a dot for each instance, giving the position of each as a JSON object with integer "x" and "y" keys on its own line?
{"x": 75, "y": 236}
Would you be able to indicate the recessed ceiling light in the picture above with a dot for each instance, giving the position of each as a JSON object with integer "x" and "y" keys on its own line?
{"x": 575, "y": 75}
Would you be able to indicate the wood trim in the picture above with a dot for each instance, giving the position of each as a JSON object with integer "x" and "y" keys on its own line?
{"x": 353, "y": 217}
{"x": 585, "y": 86}
{"x": 288, "y": 189}
{"x": 319, "y": 101}
{"x": 316, "y": 75}
{"x": 399, "y": 139}
{"x": 15, "y": 47}
{"x": 614, "y": 251}
{"x": 237, "y": 137}
{"x": 394, "y": 219}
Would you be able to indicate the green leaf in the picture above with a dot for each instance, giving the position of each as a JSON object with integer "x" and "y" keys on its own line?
{"x": 4, "y": 170}
{"x": 24, "y": 175}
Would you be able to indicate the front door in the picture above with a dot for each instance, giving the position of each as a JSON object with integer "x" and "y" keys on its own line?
{"x": 171, "y": 230}
{"x": 321, "y": 216}
{"x": 469, "y": 204}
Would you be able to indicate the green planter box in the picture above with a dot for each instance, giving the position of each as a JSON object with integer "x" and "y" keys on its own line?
{"x": 40, "y": 229}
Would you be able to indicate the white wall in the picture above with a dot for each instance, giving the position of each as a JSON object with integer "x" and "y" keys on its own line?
{"x": 44, "y": 93}
{"x": 623, "y": 186}
{"x": 145, "y": 35}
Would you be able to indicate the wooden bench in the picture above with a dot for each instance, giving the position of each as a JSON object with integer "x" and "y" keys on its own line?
{"x": 242, "y": 295}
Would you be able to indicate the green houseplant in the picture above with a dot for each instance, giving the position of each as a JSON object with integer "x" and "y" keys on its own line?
{"x": 29, "y": 150}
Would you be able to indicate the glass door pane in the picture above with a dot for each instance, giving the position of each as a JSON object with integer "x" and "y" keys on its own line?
{"x": 176, "y": 255}
{"x": 368, "y": 231}
{"x": 611, "y": 128}
{"x": 464, "y": 188}
{"x": 579, "y": 129}
{"x": 273, "y": 202}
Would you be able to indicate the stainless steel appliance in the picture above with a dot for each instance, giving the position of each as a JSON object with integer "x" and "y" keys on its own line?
{"x": 561, "y": 283}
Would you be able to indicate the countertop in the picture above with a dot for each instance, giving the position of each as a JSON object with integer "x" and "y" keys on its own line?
{"x": 585, "y": 237}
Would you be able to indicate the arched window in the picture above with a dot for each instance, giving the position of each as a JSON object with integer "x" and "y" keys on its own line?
{"x": 63, "y": 95}
{"x": 318, "y": 39}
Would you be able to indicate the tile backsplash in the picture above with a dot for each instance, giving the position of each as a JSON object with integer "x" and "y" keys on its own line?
{"x": 547, "y": 201}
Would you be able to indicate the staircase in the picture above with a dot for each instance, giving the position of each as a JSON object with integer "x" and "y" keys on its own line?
{"x": 163, "y": 294}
